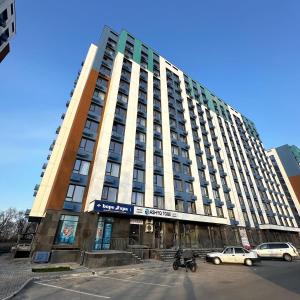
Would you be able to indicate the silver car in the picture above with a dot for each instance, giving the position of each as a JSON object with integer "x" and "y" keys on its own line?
{"x": 285, "y": 251}
{"x": 237, "y": 255}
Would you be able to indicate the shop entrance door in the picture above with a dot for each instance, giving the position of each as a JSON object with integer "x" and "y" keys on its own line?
{"x": 103, "y": 234}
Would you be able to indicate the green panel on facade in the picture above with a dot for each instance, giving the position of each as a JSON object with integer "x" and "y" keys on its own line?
{"x": 137, "y": 51}
{"x": 150, "y": 59}
{"x": 122, "y": 41}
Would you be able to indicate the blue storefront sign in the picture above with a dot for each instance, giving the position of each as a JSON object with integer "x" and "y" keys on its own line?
{"x": 119, "y": 208}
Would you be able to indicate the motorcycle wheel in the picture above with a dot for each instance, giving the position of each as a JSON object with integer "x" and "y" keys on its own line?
{"x": 193, "y": 267}
{"x": 175, "y": 266}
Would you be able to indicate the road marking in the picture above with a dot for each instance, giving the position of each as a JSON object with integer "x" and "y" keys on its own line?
{"x": 74, "y": 291}
{"x": 141, "y": 282}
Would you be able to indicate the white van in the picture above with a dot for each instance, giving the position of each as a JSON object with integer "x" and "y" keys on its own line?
{"x": 276, "y": 250}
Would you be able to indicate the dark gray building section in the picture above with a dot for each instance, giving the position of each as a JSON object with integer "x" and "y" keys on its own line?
{"x": 288, "y": 160}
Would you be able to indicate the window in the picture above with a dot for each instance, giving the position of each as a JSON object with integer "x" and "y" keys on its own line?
{"x": 140, "y": 137}
{"x": 175, "y": 150}
{"x": 86, "y": 145}
{"x": 220, "y": 213}
{"x": 157, "y": 115}
{"x": 81, "y": 167}
{"x": 91, "y": 125}
{"x": 109, "y": 194}
{"x": 157, "y": 128}
{"x": 174, "y": 135}
{"x": 142, "y": 107}
{"x": 118, "y": 128}
{"x": 178, "y": 185}
{"x": 138, "y": 175}
{"x": 122, "y": 98}
{"x": 115, "y": 147}
{"x": 75, "y": 193}
{"x": 231, "y": 214}
{"x": 176, "y": 167}
{"x": 202, "y": 175}
{"x": 204, "y": 191}
{"x": 112, "y": 169}
{"x": 179, "y": 205}
{"x": 228, "y": 251}
{"x": 139, "y": 155}
{"x": 239, "y": 251}
{"x": 137, "y": 198}
{"x": 99, "y": 94}
{"x": 66, "y": 229}
{"x": 96, "y": 109}
{"x": 207, "y": 210}
{"x": 184, "y": 154}
{"x": 158, "y": 202}
{"x": 158, "y": 161}
{"x": 216, "y": 194}
{"x": 141, "y": 121}
{"x": 120, "y": 112}
{"x": 191, "y": 207}
{"x": 157, "y": 144}
{"x": 102, "y": 83}
{"x": 189, "y": 188}
{"x": 158, "y": 180}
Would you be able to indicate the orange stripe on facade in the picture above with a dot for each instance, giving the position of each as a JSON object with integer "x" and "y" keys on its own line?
{"x": 64, "y": 171}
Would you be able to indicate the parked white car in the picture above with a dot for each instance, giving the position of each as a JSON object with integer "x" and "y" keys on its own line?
{"x": 237, "y": 255}
{"x": 285, "y": 251}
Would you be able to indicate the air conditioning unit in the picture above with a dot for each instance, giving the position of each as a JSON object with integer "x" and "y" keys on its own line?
{"x": 148, "y": 227}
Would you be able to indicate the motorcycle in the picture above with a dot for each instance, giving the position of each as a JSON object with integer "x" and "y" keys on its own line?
{"x": 185, "y": 259}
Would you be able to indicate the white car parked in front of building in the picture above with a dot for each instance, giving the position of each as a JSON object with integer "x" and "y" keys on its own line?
{"x": 236, "y": 255}
{"x": 285, "y": 251}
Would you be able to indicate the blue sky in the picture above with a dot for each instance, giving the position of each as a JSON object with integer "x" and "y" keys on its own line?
{"x": 247, "y": 53}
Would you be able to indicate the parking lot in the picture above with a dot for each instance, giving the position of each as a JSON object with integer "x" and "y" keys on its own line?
{"x": 267, "y": 280}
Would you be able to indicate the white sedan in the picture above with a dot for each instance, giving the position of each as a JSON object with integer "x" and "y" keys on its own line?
{"x": 237, "y": 255}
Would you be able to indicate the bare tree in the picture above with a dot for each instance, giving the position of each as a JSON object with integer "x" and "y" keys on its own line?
{"x": 12, "y": 222}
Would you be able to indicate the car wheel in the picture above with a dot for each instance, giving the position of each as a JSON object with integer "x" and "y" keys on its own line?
{"x": 287, "y": 257}
{"x": 217, "y": 260}
{"x": 248, "y": 262}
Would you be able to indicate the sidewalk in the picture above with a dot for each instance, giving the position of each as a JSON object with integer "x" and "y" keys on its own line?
{"x": 15, "y": 273}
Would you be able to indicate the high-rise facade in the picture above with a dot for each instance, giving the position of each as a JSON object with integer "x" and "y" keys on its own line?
{"x": 7, "y": 25}
{"x": 286, "y": 161}
{"x": 146, "y": 155}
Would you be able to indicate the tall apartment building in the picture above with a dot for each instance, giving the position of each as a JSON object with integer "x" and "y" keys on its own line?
{"x": 286, "y": 161}
{"x": 146, "y": 155}
{"x": 7, "y": 25}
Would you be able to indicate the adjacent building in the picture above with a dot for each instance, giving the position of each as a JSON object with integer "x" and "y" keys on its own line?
{"x": 286, "y": 161}
{"x": 7, "y": 26}
{"x": 146, "y": 155}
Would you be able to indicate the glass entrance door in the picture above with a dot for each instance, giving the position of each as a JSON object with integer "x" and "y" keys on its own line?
{"x": 103, "y": 234}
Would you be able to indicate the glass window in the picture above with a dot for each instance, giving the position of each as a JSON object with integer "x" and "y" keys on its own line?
{"x": 122, "y": 97}
{"x": 81, "y": 167}
{"x": 220, "y": 213}
{"x": 157, "y": 144}
{"x": 231, "y": 214}
{"x": 176, "y": 167}
{"x": 120, "y": 112}
{"x": 191, "y": 207}
{"x": 158, "y": 202}
{"x": 141, "y": 121}
{"x": 96, "y": 109}
{"x": 140, "y": 137}
{"x": 216, "y": 194}
{"x": 118, "y": 128}
{"x": 228, "y": 251}
{"x": 186, "y": 170}
{"x": 207, "y": 209}
{"x": 115, "y": 147}
{"x": 188, "y": 187}
{"x": 157, "y": 128}
{"x": 158, "y": 180}
{"x": 138, "y": 175}
{"x": 175, "y": 150}
{"x": 87, "y": 145}
{"x": 204, "y": 191}
{"x": 158, "y": 161}
{"x": 112, "y": 169}
{"x": 91, "y": 125}
{"x": 179, "y": 205}
{"x": 142, "y": 107}
{"x": 99, "y": 94}
{"x": 109, "y": 194}
{"x": 139, "y": 155}
{"x": 184, "y": 154}
{"x": 178, "y": 185}
{"x": 66, "y": 230}
{"x": 174, "y": 135}
{"x": 137, "y": 198}
{"x": 75, "y": 193}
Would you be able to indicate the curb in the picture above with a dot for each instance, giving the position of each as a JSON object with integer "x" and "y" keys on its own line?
{"x": 19, "y": 289}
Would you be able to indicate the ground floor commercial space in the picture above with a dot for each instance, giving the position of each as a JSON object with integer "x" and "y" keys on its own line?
{"x": 90, "y": 231}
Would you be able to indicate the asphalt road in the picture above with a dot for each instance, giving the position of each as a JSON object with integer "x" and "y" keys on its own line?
{"x": 268, "y": 280}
